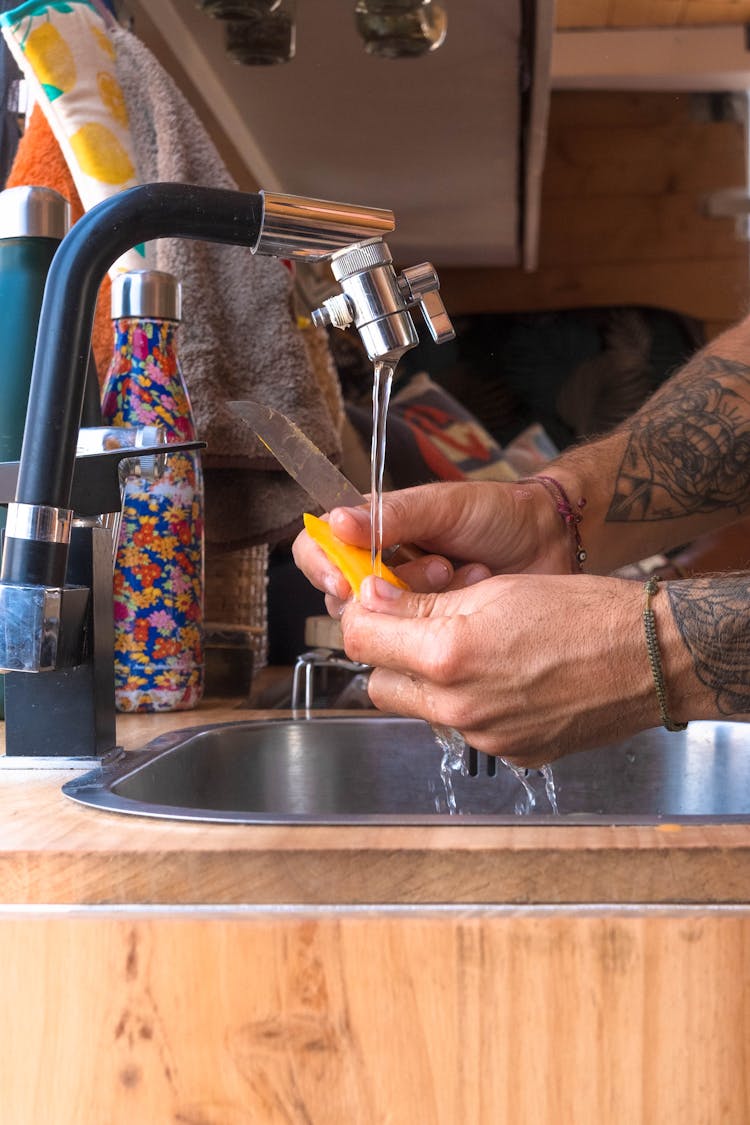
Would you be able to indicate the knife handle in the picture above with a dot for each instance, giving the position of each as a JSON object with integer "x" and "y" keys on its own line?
{"x": 402, "y": 553}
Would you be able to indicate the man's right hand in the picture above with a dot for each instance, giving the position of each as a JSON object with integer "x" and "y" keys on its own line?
{"x": 468, "y": 531}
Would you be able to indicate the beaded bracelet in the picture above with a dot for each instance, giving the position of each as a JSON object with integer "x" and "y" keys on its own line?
{"x": 654, "y": 657}
{"x": 570, "y": 517}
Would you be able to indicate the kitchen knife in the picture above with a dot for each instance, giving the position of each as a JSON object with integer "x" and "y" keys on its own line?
{"x": 307, "y": 464}
{"x": 301, "y": 458}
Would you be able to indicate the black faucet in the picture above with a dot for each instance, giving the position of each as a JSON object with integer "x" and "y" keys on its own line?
{"x": 55, "y": 579}
{"x": 59, "y": 375}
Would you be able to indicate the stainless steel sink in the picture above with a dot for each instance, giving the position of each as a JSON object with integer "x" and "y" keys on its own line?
{"x": 371, "y": 769}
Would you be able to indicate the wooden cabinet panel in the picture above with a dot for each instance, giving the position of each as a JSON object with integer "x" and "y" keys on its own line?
{"x": 659, "y": 229}
{"x": 613, "y": 109}
{"x": 623, "y": 214}
{"x": 481, "y": 1016}
{"x": 662, "y": 159}
{"x": 714, "y": 291}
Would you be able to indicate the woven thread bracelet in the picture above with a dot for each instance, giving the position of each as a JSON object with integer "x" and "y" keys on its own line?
{"x": 654, "y": 657}
{"x": 568, "y": 514}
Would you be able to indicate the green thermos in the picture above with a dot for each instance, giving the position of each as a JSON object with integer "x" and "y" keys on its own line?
{"x": 33, "y": 222}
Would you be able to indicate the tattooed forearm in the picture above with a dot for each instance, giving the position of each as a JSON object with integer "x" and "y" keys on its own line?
{"x": 689, "y": 448}
{"x": 713, "y": 617}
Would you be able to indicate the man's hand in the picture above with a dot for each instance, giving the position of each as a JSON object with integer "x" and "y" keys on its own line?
{"x": 527, "y": 667}
{"x": 468, "y": 532}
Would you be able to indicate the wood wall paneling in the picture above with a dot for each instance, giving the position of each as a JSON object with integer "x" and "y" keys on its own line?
{"x": 649, "y": 13}
{"x": 623, "y": 213}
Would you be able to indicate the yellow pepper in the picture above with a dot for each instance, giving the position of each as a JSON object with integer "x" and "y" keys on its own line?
{"x": 355, "y": 563}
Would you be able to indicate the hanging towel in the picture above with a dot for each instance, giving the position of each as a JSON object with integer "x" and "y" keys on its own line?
{"x": 67, "y": 59}
{"x": 239, "y": 337}
{"x": 10, "y": 134}
{"x": 39, "y": 162}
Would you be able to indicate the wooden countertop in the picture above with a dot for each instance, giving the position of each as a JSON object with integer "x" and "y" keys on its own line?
{"x": 53, "y": 850}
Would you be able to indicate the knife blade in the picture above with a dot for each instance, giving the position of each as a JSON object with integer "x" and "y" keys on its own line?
{"x": 308, "y": 465}
{"x": 301, "y": 458}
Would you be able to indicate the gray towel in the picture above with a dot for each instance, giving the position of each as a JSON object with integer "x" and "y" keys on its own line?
{"x": 239, "y": 337}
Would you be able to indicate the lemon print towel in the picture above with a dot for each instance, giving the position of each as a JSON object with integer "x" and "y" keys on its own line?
{"x": 64, "y": 52}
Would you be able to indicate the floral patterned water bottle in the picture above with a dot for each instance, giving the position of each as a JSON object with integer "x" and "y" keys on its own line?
{"x": 158, "y": 582}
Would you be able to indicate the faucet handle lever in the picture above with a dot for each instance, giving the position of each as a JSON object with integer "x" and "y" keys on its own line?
{"x": 436, "y": 318}
{"x": 419, "y": 285}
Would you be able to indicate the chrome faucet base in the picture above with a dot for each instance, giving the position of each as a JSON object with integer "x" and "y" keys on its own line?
{"x": 68, "y": 711}
{"x": 30, "y": 626}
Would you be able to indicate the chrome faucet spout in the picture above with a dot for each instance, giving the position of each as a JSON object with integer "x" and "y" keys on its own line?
{"x": 315, "y": 229}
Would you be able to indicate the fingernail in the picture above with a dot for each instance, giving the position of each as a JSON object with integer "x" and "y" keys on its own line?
{"x": 331, "y": 584}
{"x": 359, "y": 515}
{"x": 385, "y": 590}
{"x": 437, "y": 573}
{"x": 475, "y": 574}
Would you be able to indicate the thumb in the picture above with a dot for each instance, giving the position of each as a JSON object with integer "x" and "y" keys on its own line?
{"x": 380, "y": 596}
{"x": 465, "y": 597}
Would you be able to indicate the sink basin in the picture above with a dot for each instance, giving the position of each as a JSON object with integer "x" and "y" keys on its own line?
{"x": 372, "y": 769}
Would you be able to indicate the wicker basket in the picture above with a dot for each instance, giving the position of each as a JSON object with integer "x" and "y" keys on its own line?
{"x": 236, "y": 596}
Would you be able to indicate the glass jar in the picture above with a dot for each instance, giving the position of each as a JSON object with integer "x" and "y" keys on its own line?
{"x": 263, "y": 38}
{"x": 398, "y": 29}
{"x": 237, "y": 9}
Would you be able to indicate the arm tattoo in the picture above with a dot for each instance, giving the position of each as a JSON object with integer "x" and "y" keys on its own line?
{"x": 689, "y": 448}
{"x": 713, "y": 616}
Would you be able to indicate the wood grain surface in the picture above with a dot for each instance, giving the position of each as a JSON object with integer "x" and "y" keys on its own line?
{"x": 649, "y": 13}
{"x": 314, "y": 1018}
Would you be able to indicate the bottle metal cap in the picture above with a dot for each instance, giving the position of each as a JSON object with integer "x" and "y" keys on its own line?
{"x": 34, "y": 212}
{"x": 147, "y": 293}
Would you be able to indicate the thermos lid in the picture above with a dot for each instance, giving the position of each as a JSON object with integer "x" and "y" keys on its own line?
{"x": 36, "y": 212}
{"x": 147, "y": 293}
